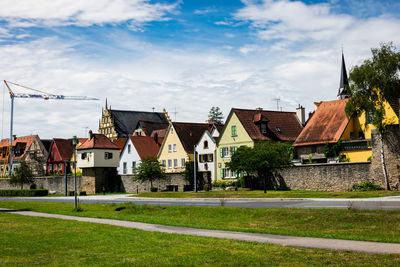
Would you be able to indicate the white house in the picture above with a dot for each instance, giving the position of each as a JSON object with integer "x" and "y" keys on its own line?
{"x": 97, "y": 151}
{"x": 205, "y": 151}
{"x": 136, "y": 149}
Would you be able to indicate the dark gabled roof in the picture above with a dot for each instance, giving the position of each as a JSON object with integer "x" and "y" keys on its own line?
{"x": 98, "y": 141}
{"x": 64, "y": 147}
{"x": 326, "y": 125}
{"x": 47, "y": 143}
{"x": 148, "y": 126}
{"x": 282, "y": 126}
{"x": 145, "y": 146}
{"x": 125, "y": 121}
{"x": 190, "y": 133}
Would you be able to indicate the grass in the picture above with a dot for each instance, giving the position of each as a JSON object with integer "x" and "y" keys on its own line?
{"x": 30, "y": 241}
{"x": 368, "y": 225}
{"x": 269, "y": 194}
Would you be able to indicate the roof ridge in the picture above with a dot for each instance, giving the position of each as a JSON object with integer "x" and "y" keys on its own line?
{"x": 264, "y": 110}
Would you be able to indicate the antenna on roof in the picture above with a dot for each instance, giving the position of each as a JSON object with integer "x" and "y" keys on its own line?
{"x": 277, "y": 103}
{"x": 175, "y": 112}
{"x": 153, "y": 108}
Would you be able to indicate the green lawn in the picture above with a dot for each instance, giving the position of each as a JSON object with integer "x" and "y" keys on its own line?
{"x": 369, "y": 225}
{"x": 269, "y": 194}
{"x": 30, "y": 241}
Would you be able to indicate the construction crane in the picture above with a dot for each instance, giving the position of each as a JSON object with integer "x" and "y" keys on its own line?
{"x": 40, "y": 95}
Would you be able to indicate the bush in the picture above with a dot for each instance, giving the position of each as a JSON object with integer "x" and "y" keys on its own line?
{"x": 82, "y": 193}
{"x": 366, "y": 186}
{"x": 70, "y": 193}
{"x": 153, "y": 189}
{"x": 207, "y": 187}
{"x": 23, "y": 192}
{"x": 33, "y": 186}
{"x": 343, "y": 158}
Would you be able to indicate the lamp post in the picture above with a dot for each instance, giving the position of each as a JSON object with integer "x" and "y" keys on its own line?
{"x": 195, "y": 171}
{"x": 74, "y": 144}
{"x": 65, "y": 177}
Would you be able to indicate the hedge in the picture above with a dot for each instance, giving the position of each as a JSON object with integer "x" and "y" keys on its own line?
{"x": 23, "y": 192}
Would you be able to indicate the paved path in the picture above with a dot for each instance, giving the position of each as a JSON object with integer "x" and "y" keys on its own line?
{"x": 382, "y": 203}
{"x": 293, "y": 241}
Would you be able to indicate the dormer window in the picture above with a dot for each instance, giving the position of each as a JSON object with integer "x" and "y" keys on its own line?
{"x": 278, "y": 129}
{"x": 263, "y": 128}
{"x": 205, "y": 145}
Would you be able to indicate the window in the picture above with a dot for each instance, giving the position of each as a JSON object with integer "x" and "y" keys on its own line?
{"x": 313, "y": 149}
{"x": 233, "y": 128}
{"x": 183, "y": 163}
{"x": 209, "y": 157}
{"x": 224, "y": 152}
{"x": 263, "y": 128}
{"x": 172, "y": 130}
{"x": 108, "y": 155}
{"x": 84, "y": 155}
{"x": 169, "y": 148}
{"x": 169, "y": 164}
{"x": 133, "y": 166}
{"x": 174, "y": 147}
{"x": 205, "y": 146}
{"x": 60, "y": 167}
{"x": 54, "y": 156}
{"x": 124, "y": 170}
{"x": 175, "y": 163}
{"x": 227, "y": 173}
{"x": 129, "y": 149}
{"x": 163, "y": 163}
{"x": 278, "y": 129}
{"x": 232, "y": 150}
{"x": 50, "y": 167}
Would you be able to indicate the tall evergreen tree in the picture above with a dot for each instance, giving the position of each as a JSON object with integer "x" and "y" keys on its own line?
{"x": 215, "y": 115}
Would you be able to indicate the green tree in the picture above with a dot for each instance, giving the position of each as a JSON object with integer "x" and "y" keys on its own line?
{"x": 22, "y": 174}
{"x": 149, "y": 170}
{"x": 370, "y": 85}
{"x": 262, "y": 160}
{"x": 188, "y": 175}
{"x": 215, "y": 115}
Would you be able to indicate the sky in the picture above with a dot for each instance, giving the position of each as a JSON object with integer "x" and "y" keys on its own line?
{"x": 184, "y": 56}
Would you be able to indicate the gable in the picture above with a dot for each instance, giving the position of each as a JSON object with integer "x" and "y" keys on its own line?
{"x": 226, "y": 134}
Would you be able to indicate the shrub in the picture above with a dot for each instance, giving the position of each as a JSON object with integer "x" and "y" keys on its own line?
{"x": 366, "y": 186}
{"x": 342, "y": 158}
{"x": 23, "y": 192}
{"x": 70, "y": 193}
{"x": 82, "y": 193}
{"x": 33, "y": 186}
{"x": 153, "y": 189}
{"x": 369, "y": 158}
{"x": 207, "y": 187}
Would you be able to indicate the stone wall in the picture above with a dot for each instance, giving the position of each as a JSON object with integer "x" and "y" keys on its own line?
{"x": 175, "y": 179}
{"x": 52, "y": 183}
{"x": 391, "y": 148}
{"x": 326, "y": 177}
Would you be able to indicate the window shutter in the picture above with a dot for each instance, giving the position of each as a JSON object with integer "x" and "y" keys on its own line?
{"x": 222, "y": 173}
{"x": 221, "y": 152}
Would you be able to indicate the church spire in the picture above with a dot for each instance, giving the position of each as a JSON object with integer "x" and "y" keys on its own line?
{"x": 106, "y": 102}
{"x": 342, "y": 94}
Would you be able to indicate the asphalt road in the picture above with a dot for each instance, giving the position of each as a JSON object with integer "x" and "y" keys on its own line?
{"x": 385, "y": 203}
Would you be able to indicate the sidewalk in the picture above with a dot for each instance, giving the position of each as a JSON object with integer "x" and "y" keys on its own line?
{"x": 293, "y": 241}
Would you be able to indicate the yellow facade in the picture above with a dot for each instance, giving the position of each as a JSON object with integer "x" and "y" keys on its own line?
{"x": 357, "y": 129}
{"x": 229, "y": 139}
{"x": 172, "y": 154}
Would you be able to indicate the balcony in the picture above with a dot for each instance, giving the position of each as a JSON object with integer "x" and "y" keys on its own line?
{"x": 352, "y": 145}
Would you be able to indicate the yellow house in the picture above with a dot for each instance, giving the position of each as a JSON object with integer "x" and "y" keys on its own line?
{"x": 329, "y": 124}
{"x": 178, "y": 145}
{"x": 73, "y": 157}
{"x": 244, "y": 126}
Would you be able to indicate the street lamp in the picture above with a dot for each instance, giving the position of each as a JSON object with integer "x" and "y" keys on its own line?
{"x": 74, "y": 144}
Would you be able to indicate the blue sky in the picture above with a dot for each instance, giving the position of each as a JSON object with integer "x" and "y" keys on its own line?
{"x": 183, "y": 55}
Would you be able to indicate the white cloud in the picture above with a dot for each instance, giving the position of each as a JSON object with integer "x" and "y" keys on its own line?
{"x": 27, "y": 13}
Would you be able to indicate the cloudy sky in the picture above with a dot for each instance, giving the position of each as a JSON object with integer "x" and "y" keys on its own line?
{"x": 181, "y": 55}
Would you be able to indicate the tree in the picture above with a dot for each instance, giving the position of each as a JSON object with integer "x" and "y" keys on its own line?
{"x": 22, "y": 174}
{"x": 215, "y": 115}
{"x": 149, "y": 170}
{"x": 262, "y": 160}
{"x": 371, "y": 86}
{"x": 188, "y": 175}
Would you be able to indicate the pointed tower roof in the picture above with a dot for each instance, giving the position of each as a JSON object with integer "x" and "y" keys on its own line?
{"x": 342, "y": 93}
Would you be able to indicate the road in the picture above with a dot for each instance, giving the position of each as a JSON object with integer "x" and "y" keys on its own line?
{"x": 384, "y": 203}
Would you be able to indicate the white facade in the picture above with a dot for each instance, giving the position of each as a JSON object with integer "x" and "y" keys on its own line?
{"x": 205, "y": 151}
{"x": 129, "y": 158}
{"x": 89, "y": 158}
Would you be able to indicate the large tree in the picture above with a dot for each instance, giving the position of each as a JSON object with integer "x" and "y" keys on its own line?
{"x": 371, "y": 86}
{"x": 215, "y": 115}
{"x": 149, "y": 170}
{"x": 22, "y": 174}
{"x": 261, "y": 160}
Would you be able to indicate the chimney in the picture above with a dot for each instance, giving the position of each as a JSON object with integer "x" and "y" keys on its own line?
{"x": 90, "y": 134}
{"x": 156, "y": 138}
{"x": 301, "y": 115}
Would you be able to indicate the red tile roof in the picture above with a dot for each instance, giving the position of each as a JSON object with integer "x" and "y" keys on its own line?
{"x": 23, "y": 139}
{"x": 64, "y": 147}
{"x": 98, "y": 141}
{"x": 120, "y": 142}
{"x": 145, "y": 146}
{"x": 190, "y": 133}
{"x": 326, "y": 125}
{"x": 282, "y": 125}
